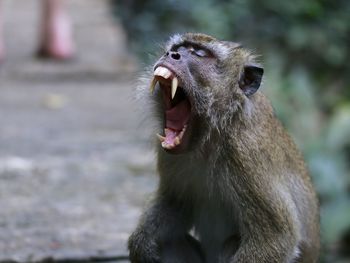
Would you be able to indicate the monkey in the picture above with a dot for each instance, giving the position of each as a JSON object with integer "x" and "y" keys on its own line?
{"x": 233, "y": 186}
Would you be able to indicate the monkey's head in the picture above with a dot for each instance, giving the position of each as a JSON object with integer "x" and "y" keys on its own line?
{"x": 202, "y": 84}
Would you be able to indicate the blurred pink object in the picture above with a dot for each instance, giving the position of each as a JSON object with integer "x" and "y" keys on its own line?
{"x": 56, "y": 40}
{"x": 56, "y": 31}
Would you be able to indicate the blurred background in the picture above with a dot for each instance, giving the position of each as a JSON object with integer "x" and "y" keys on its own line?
{"x": 75, "y": 166}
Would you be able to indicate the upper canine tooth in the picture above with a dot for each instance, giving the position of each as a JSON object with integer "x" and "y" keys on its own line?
{"x": 174, "y": 83}
{"x": 153, "y": 84}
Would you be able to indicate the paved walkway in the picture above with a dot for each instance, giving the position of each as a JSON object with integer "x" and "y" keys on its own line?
{"x": 75, "y": 165}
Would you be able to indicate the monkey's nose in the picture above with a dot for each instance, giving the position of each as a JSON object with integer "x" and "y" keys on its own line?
{"x": 174, "y": 55}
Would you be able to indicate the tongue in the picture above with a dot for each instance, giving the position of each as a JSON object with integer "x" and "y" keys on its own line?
{"x": 170, "y": 136}
{"x": 178, "y": 116}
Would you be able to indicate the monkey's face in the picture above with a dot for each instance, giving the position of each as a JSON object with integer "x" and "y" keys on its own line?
{"x": 193, "y": 90}
{"x": 178, "y": 74}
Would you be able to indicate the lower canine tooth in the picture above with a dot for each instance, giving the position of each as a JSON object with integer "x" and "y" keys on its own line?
{"x": 177, "y": 141}
{"x": 182, "y": 133}
{"x": 167, "y": 146}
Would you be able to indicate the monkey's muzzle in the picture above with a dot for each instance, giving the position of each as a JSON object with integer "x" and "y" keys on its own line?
{"x": 177, "y": 108}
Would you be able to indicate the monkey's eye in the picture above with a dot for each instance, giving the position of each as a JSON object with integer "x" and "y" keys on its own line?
{"x": 194, "y": 50}
{"x": 198, "y": 51}
{"x": 201, "y": 53}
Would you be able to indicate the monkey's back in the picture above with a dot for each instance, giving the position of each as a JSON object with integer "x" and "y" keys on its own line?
{"x": 278, "y": 164}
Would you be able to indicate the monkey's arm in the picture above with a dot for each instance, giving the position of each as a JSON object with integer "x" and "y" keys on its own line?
{"x": 162, "y": 226}
{"x": 269, "y": 250}
{"x": 272, "y": 238}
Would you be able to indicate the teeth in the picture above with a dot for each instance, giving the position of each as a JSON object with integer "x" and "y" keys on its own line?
{"x": 160, "y": 137}
{"x": 166, "y": 74}
{"x": 156, "y": 72}
{"x": 183, "y": 131}
{"x": 166, "y": 146}
{"x": 162, "y": 72}
{"x": 153, "y": 84}
{"x": 174, "y": 83}
{"x": 177, "y": 140}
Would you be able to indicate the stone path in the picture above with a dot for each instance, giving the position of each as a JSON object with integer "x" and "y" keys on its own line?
{"x": 75, "y": 166}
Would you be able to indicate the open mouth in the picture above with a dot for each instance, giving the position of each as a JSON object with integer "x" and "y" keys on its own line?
{"x": 177, "y": 108}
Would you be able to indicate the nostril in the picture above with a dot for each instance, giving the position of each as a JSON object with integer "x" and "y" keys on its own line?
{"x": 175, "y": 55}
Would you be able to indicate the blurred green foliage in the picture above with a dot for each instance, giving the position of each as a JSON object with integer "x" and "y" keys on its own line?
{"x": 305, "y": 50}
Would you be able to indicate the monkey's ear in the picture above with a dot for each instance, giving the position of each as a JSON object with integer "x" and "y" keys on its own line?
{"x": 251, "y": 79}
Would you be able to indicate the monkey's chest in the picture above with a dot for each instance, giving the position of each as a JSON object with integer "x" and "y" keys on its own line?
{"x": 214, "y": 224}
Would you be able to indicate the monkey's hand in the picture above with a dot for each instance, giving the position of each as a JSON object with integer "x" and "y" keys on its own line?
{"x": 161, "y": 224}
{"x": 143, "y": 248}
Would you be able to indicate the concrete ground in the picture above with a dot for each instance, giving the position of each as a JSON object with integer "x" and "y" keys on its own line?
{"x": 75, "y": 166}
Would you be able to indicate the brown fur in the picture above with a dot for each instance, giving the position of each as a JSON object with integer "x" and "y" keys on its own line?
{"x": 242, "y": 186}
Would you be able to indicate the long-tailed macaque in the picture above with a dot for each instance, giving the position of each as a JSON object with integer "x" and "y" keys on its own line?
{"x": 233, "y": 186}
